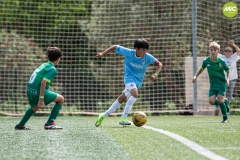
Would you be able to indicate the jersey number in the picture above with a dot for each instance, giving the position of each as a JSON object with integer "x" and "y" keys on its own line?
{"x": 32, "y": 78}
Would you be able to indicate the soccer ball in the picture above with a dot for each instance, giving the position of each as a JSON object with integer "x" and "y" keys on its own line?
{"x": 139, "y": 118}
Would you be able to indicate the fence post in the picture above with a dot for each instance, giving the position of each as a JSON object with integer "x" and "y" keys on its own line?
{"x": 194, "y": 50}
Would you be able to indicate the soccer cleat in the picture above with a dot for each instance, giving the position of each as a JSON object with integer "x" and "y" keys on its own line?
{"x": 99, "y": 120}
{"x": 17, "y": 127}
{"x": 124, "y": 121}
{"x": 217, "y": 111}
{"x": 225, "y": 121}
{"x": 226, "y": 103}
{"x": 52, "y": 126}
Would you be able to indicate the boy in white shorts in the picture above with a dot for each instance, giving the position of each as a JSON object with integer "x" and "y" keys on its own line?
{"x": 231, "y": 60}
{"x": 135, "y": 65}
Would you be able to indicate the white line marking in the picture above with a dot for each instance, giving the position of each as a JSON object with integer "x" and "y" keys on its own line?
{"x": 194, "y": 146}
{"x": 228, "y": 148}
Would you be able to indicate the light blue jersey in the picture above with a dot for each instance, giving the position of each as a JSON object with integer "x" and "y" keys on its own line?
{"x": 134, "y": 67}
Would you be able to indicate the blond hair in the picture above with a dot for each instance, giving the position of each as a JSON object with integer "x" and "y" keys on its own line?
{"x": 214, "y": 45}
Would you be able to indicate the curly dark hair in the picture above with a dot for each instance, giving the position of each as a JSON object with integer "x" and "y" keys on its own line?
{"x": 53, "y": 53}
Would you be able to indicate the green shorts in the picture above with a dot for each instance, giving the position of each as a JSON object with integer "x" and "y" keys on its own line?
{"x": 217, "y": 88}
{"x": 215, "y": 93}
{"x": 34, "y": 98}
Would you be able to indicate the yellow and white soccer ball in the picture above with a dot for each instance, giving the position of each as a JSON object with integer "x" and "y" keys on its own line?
{"x": 139, "y": 118}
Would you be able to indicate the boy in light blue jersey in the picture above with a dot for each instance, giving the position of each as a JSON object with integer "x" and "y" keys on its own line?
{"x": 135, "y": 66}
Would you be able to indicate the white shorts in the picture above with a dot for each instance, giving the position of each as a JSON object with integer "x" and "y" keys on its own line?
{"x": 128, "y": 88}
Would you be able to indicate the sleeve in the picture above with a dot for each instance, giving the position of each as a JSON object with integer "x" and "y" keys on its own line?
{"x": 204, "y": 64}
{"x": 50, "y": 74}
{"x": 152, "y": 60}
{"x": 123, "y": 51}
{"x": 236, "y": 56}
{"x": 225, "y": 66}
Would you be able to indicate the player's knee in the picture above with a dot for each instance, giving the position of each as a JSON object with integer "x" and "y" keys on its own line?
{"x": 122, "y": 98}
{"x": 60, "y": 99}
{"x": 212, "y": 102}
{"x": 35, "y": 109}
{"x": 220, "y": 101}
{"x": 134, "y": 94}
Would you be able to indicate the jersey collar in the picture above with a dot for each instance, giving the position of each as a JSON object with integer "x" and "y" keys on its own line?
{"x": 212, "y": 60}
{"x": 50, "y": 62}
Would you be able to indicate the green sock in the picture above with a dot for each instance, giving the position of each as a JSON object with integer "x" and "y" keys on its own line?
{"x": 224, "y": 110}
{"x": 56, "y": 109}
{"x": 29, "y": 112}
{"x": 216, "y": 102}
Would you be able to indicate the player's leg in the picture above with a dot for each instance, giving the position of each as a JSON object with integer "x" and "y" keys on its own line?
{"x": 214, "y": 101}
{"x": 212, "y": 97}
{"x": 217, "y": 107}
{"x": 226, "y": 100}
{"x": 131, "y": 100}
{"x": 122, "y": 98}
{"x": 59, "y": 99}
{"x": 229, "y": 91}
{"x": 28, "y": 114}
{"x": 217, "y": 110}
{"x": 33, "y": 100}
{"x": 223, "y": 107}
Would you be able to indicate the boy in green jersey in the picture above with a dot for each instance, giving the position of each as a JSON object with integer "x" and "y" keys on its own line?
{"x": 218, "y": 83}
{"x": 38, "y": 92}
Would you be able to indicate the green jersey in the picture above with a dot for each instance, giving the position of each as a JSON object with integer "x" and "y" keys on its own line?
{"x": 46, "y": 72}
{"x": 216, "y": 73}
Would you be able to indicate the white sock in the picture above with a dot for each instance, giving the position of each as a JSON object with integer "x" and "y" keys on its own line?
{"x": 113, "y": 108}
{"x": 128, "y": 106}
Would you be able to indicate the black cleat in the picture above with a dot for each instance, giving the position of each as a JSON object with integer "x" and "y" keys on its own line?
{"x": 17, "y": 127}
{"x": 225, "y": 121}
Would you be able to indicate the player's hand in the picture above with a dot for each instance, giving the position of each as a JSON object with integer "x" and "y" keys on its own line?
{"x": 99, "y": 55}
{"x": 152, "y": 78}
{"x": 228, "y": 82}
{"x": 41, "y": 104}
{"x": 231, "y": 42}
{"x": 194, "y": 79}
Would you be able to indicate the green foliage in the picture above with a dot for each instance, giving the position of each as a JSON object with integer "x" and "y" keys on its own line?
{"x": 49, "y": 22}
{"x": 170, "y": 106}
{"x": 235, "y": 103}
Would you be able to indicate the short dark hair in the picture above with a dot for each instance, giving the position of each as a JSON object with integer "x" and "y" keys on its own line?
{"x": 53, "y": 53}
{"x": 141, "y": 43}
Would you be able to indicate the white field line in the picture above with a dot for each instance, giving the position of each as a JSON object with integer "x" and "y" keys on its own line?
{"x": 228, "y": 148}
{"x": 194, "y": 146}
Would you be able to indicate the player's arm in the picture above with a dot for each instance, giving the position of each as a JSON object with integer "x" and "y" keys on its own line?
{"x": 197, "y": 74}
{"x": 101, "y": 54}
{"x": 228, "y": 77}
{"x": 41, "y": 95}
{"x": 231, "y": 42}
{"x": 159, "y": 68}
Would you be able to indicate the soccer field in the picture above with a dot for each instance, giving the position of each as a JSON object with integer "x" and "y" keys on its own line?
{"x": 80, "y": 139}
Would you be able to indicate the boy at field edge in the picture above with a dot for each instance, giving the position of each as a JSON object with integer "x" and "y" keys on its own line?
{"x": 218, "y": 83}
{"x": 38, "y": 91}
{"x": 231, "y": 60}
{"x": 135, "y": 66}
